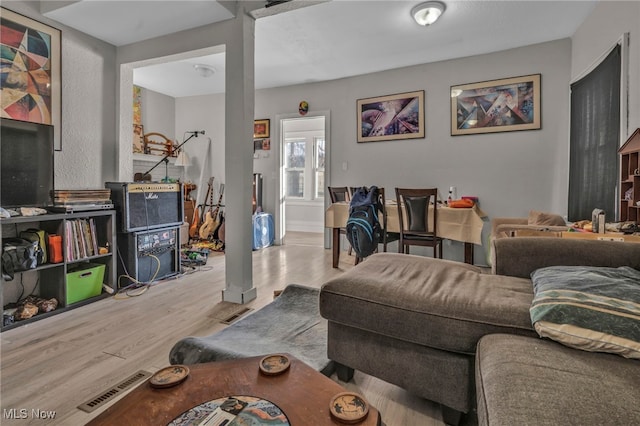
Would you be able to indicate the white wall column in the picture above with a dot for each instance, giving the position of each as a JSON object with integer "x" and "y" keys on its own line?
{"x": 239, "y": 115}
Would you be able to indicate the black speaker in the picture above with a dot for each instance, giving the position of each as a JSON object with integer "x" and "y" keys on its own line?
{"x": 150, "y": 255}
{"x": 143, "y": 206}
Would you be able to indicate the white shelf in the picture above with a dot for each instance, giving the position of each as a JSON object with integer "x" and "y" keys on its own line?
{"x": 151, "y": 158}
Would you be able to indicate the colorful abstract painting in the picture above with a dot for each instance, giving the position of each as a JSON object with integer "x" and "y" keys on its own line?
{"x": 30, "y": 71}
{"x": 391, "y": 117}
{"x": 496, "y": 106}
{"x": 137, "y": 104}
{"x": 138, "y": 132}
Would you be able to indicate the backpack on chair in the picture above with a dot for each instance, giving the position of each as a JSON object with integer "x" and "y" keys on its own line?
{"x": 363, "y": 226}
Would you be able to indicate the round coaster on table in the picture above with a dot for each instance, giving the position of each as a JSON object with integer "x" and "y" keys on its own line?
{"x": 169, "y": 376}
{"x": 349, "y": 407}
{"x": 275, "y": 364}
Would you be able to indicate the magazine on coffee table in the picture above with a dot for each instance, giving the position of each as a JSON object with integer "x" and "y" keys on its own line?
{"x": 233, "y": 411}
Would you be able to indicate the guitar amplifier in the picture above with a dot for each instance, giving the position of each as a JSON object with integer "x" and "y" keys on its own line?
{"x": 149, "y": 255}
{"x": 145, "y": 205}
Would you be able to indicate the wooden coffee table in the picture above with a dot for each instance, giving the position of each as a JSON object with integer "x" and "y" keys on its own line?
{"x": 302, "y": 393}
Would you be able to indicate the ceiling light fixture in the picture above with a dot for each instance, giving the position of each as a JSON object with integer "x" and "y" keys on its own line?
{"x": 427, "y": 13}
{"x": 204, "y": 70}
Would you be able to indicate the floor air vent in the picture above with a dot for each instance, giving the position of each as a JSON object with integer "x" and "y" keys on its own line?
{"x": 106, "y": 396}
{"x": 235, "y": 316}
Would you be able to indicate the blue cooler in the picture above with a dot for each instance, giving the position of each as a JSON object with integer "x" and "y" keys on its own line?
{"x": 263, "y": 230}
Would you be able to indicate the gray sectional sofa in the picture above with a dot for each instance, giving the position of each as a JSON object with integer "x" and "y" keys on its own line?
{"x": 416, "y": 322}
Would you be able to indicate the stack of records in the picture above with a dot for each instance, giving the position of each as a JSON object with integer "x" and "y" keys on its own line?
{"x": 81, "y": 196}
{"x": 81, "y": 239}
{"x": 82, "y": 199}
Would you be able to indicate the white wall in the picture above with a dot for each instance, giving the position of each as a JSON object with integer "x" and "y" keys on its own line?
{"x": 510, "y": 172}
{"x": 204, "y": 113}
{"x": 158, "y": 113}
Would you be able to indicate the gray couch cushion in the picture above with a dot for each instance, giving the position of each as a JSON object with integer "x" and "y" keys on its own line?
{"x": 522, "y": 380}
{"x": 436, "y": 303}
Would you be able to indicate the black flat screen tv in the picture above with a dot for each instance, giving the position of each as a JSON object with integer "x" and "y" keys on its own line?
{"x": 26, "y": 164}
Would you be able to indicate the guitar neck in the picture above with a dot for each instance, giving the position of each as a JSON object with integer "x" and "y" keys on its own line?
{"x": 220, "y": 197}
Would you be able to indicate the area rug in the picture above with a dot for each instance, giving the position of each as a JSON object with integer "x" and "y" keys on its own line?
{"x": 290, "y": 324}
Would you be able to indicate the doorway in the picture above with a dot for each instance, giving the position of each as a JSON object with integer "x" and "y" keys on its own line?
{"x": 304, "y": 166}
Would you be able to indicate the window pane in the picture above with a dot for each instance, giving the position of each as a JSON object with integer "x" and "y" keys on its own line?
{"x": 319, "y": 153}
{"x": 295, "y": 154}
{"x": 319, "y": 156}
{"x": 320, "y": 184}
{"x": 294, "y": 183}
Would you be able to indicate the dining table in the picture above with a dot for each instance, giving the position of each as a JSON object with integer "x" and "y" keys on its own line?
{"x": 457, "y": 224}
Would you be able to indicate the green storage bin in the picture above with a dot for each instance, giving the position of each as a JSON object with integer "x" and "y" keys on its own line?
{"x": 84, "y": 282}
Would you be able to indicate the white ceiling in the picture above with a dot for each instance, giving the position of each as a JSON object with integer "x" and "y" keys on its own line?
{"x": 325, "y": 40}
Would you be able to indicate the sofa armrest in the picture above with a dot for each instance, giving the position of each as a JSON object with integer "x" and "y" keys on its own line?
{"x": 519, "y": 257}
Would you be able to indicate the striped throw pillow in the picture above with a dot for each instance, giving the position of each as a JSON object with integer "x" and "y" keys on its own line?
{"x": 595, "y": 309}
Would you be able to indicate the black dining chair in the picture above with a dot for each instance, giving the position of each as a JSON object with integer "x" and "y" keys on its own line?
{"x": 386, "y": 237}
{"x": 418, "y": 229}
{"x": 337, "y": 194}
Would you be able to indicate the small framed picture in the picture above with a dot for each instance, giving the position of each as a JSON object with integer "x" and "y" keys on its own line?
{"x": 261, "y": 129}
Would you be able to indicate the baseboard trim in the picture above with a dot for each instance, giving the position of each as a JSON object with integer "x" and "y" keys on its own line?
{"x": 304, "y": 226}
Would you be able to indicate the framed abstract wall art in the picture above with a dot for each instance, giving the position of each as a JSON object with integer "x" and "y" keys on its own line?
{"x": 31, "y": 73}
{"x": 391, "y": 117}
{"x": 503, "y": 105}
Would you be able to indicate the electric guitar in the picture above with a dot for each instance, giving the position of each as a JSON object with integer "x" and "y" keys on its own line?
{"x": 211, "y": 222}
{"x": 194, "y": 219}
{"x": 222, "y": 230}
{"x": 198, "y": 213}
{"x": 217, "y": 215}
{"x": 218, "y": 234}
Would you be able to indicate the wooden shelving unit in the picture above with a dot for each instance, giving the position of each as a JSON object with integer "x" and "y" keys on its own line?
{"x": 630, "y": 178}
{"x": 52, "y": 277}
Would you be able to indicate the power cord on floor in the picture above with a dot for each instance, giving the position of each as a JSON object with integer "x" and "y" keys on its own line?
{"x": 136, "y": 284}
{"x": 138, "y": 288}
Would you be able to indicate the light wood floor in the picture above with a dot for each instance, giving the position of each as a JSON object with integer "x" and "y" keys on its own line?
{"x": 60, "y": 362}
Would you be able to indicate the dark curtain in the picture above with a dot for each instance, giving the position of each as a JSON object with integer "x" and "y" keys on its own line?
{"x": 594, "y": 140}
